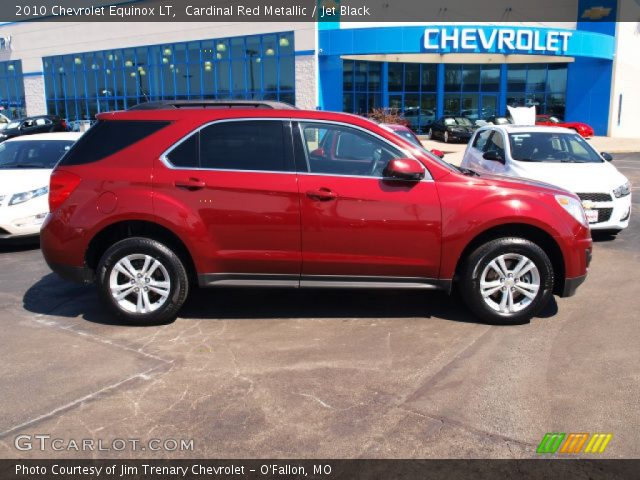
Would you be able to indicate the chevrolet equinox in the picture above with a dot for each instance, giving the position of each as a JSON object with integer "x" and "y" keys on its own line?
{"x": 169, "y": 195}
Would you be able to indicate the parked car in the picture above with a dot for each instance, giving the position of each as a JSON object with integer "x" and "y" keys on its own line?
{"x": 25, "y": 166}
{"x": 150, "y": 203}
{"x": 409, "y": 135}
{"x": 548, "y": 120}
{"x": 499, "y": 121}
{"x": 558, "y": 156}
{"x": 32, "y": 125}
{"x": 452, "y": 129}
{"x": 419, "y": 119}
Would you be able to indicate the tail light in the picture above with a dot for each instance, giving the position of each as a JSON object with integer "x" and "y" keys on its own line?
{"x": 61, "y": 185}
{"x": 64, "y": 124}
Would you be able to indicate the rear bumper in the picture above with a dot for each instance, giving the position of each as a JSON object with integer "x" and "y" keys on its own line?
{"x": 72, "y": 273}
{"x": 571, "y": 285}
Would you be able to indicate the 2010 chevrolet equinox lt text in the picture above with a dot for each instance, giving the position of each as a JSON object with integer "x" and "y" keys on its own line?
{"x": 166, "y": 196}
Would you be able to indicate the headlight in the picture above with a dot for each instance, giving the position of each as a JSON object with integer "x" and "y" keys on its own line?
{"x": 26, "y": 196}
{"x": 573, "y": 208}
{"x": 622, "y": 190}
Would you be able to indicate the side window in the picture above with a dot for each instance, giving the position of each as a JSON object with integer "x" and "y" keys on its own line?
{"x": 338, "y": 150}
{"x": 480, "y": 141}
{"x": 107, "y": 137}
{"x": 244, "y": 145}
{"x": 42, "y": 121}
{"x": 185, "y": 155}
{"x": 495, "y": 143}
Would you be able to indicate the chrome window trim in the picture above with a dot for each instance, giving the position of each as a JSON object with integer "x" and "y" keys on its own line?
{"x": 167, "y": 163}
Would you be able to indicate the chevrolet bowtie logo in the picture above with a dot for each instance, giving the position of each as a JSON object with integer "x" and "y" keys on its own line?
{"x": 596, "y": 13}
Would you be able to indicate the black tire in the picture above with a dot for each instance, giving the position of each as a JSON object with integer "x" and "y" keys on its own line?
{"x": 171, "y": 266}
{"x": 478, "y": 261}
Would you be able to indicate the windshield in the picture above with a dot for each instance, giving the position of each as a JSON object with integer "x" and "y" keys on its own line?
{"x": 13, "y": 125}
{"x": 32, "y": 153}
{"x": 552, "y": 147}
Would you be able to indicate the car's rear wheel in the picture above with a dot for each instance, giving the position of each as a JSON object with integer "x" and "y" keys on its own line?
{"x": 430, "y": 134}
{"x": 507, "y": 281}
{"x": 142, "y": 281}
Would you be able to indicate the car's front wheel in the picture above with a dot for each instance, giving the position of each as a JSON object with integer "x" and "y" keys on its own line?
{"x": 446, "y": 137}
{"x": 507, "y": 281}
{"x": 142, "y": 281}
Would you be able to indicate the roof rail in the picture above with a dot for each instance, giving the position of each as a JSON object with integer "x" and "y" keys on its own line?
{"x": 177, "y": 104}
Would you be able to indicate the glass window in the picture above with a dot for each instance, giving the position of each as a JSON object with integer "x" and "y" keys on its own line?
{"x": 186, "y": 153}
{"x": 395, "y": 77}
{"x": 429, "y": 78}
{"x": 32, "y": 153}
{"x": 412, "y": 77}
{"x": 495, "y": 144}
{"x": 536, "y": 78}
{"x": 480, "y": 141}
{"x": 490, "y": 79}
{"x": 516, "y": 77}
{"x": 108, "y": 137}
{"x": 557, "y": 78}
{"x": 374, "y": 76}
{"x": 471, "y": 78}
{"x": 338, "y": 150}
{"x": 452, "y": 78}
{"x": 250, "y": 145}
{"x": 360, "y": 76}
{"x": 347, "y": 75}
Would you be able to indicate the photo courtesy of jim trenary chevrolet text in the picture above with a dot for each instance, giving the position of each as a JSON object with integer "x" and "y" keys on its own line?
{"x": 319, "y": 239}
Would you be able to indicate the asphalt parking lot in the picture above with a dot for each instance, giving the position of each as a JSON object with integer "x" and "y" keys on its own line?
{"x": 333, "y": 374}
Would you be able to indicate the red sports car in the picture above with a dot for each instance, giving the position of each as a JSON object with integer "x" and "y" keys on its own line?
{"x": 582, "y": 128}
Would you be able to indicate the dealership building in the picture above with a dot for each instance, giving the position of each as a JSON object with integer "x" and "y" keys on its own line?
{"x": 582, "y": 70}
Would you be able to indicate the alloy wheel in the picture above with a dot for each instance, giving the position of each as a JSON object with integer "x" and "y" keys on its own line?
{"x": 509, "y": 283}
{"x": 139, "y": 283}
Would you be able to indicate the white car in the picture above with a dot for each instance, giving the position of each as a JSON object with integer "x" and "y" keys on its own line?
{"x": 558, "y": 156}
{"x": 26, "y": 163}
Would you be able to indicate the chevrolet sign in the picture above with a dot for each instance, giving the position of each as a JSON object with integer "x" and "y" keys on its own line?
{"x": 496, "y": 40}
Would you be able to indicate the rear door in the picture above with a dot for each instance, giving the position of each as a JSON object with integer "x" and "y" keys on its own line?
{"x": 356, "y": 224}
{"x": 234, "y": 186}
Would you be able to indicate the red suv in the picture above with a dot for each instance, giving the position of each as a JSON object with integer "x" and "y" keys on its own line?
{"x": 155, "y": 200}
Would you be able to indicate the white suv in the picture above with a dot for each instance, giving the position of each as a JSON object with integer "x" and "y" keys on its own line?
{"x": 558, "y": 156}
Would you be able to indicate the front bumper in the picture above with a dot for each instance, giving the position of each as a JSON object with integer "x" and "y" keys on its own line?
{"x": 571, "y": 285}
{"x": 619, "y": 217}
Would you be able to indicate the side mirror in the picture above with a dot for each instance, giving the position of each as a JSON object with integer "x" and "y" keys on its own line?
{"x": 404, "y": 169}
{"x": 438, "y": 153}
{"x": 607, "y": 156}
{"x": 493, "y": 156}
{"x": 318, "y": 152}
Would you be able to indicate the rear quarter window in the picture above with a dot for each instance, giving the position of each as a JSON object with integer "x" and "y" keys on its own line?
{"x": 107, "y": 137}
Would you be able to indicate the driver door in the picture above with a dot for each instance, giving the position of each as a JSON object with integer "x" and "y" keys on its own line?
{"x": 355, "y": 223}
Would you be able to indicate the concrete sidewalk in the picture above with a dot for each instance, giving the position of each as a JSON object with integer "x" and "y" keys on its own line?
{"x": 455, "y": 151}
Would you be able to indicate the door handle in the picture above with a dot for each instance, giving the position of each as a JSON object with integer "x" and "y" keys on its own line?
{"x": 322, "y": 194}
{"x": 191, "y": 184}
